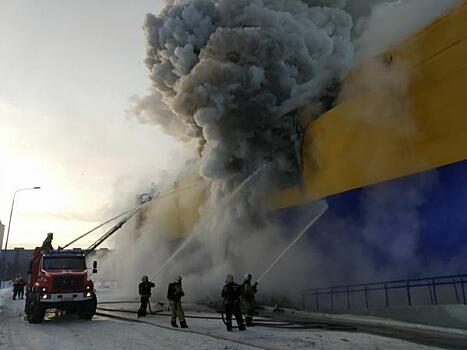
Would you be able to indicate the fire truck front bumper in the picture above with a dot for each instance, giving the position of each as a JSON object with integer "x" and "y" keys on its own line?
{"x": 65, "y": 297}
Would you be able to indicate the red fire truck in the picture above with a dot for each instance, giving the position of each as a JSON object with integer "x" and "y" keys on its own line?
{"x": 59, "y": 280}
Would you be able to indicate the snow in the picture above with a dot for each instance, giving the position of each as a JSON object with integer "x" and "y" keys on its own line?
{"x": 103, "y": 333}
{"x": 275, "y": 338}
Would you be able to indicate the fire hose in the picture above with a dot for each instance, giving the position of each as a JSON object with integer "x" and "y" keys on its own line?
{"x": 285, "y": 324}
{"x": 264, "y": 323}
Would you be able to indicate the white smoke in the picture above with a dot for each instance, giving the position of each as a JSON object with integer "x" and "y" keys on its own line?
{"x": 392, "y": 21}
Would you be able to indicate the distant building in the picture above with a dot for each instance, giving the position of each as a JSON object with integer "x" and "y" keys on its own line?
{"x": 17, "y": 262}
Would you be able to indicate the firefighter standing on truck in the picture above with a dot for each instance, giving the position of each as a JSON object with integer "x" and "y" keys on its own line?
{"x": 47, "y": 244}
{"x": 145, "y": 293}
{"x": 248, "y": 296}
{"x": 231, "y": 301}
{"x": 175, "y": 294}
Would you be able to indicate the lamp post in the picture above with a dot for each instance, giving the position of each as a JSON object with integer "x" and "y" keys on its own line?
{"x": 9, "y": 226}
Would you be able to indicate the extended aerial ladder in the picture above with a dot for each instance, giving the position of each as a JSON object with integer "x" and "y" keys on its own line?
{"x": 127, "y": 215}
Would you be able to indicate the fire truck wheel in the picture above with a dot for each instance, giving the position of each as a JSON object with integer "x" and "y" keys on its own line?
{"x": 36, "y": 311}
{"x": 88, "y": 309}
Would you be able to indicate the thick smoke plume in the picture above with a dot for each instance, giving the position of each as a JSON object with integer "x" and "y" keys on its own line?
{"x": 227, "y": 76}
{"x": 230, "y": 72}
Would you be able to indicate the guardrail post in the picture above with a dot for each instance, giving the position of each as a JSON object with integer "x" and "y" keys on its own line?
{"x": 386, "y": 294}
{"x": 332, "y": 301}
{"x": 366, "y": 297}
{"x": 435, "y": 296}
{"x": 348, "y": 299}
{"x": 463, "y": 290}
{"x": 409, "y": 299}
{"x": 454, "y": 284}
{"x": 317, "y": 301}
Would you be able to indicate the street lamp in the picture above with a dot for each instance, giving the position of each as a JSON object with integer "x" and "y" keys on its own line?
{"x": 9, "y": 226}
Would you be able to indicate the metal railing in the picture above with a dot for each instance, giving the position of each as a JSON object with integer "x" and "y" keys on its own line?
{"x": 329, "y": 295}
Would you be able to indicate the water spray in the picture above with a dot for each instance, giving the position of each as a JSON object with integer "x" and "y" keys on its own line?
{"x": 322, "y": 210}
{"x": 224, "y": 203}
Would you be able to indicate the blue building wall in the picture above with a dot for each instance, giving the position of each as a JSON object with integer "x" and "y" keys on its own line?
{"x": 408, "y": 227}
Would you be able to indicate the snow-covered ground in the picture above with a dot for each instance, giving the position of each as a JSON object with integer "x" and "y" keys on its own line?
{"x": 102, "y": 333}
{"x": 108, "y": 333}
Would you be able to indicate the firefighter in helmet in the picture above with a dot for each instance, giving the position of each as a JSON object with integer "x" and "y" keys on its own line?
{"x": 248, "y": 296}
{"x": 47, "y": 244}
{"x": 145, "y": 293}
{"x": 231, "y": 301}
{"x": 174, "y": 295}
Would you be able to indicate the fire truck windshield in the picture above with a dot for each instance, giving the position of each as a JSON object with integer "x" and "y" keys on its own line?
{"x": 63, "y": 263}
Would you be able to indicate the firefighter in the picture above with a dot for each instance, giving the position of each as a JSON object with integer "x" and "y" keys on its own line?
{"x": 248, "y": 296}
{"x": 47, "y": 244}
{"x": 21, "y": 285}
{"x": 16, "y": 284}
{"x": 175, "y": 294}
{"x": 231, "y": 301}
{"x": 145, "y": 293}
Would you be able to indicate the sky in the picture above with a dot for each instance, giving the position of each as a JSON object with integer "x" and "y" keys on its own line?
{"x": 67, "y": 72}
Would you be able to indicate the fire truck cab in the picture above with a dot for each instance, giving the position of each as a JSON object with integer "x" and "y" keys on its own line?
{"x": 59, "y": 280}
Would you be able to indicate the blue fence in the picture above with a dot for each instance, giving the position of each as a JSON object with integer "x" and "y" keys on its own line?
{"x": 420, "y": 291}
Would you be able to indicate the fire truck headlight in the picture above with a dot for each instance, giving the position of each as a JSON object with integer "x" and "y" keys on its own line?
{"x": 45, "y": 296}
{"x": 44, "y": 289}
{"x": 88, "y": 287}
{"x": 88, "y": 294}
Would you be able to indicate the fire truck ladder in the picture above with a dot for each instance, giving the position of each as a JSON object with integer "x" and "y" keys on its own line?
{"x": 110, "y": 232}
{"x": 127, "y": 216}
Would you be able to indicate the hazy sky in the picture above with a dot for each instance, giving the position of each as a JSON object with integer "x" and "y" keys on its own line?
{"x": 67, "y": 71}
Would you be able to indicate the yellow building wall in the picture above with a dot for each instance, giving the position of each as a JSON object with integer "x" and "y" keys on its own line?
{"x": 407, "y": 113}
{"x": 402, "y": 113}
{"x": 176, "y": 211}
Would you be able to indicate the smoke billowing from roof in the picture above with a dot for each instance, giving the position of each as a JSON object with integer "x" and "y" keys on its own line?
{"x": 227, "y": 73}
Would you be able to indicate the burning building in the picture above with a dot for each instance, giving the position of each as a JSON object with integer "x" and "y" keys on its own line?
{"x": 386, "y": 151}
